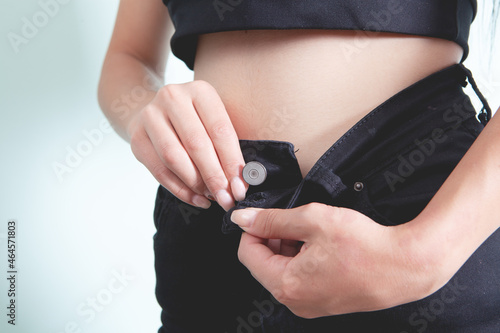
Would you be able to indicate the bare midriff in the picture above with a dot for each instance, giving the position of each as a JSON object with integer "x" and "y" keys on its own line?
{"x": 308, "y": 87}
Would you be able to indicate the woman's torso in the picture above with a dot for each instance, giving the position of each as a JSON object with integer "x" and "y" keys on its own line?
{"x": 309, "y": 87}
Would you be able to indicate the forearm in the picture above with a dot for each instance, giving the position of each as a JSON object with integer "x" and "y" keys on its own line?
{"x": 125, "y": 87}
{"x": 465, "y": 211}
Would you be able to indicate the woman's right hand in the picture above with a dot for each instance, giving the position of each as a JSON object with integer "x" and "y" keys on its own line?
{"x": 186, "y": 140}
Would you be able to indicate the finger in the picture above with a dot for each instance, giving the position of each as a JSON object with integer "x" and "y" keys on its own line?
{"x": 198, "y": 144}
{"x": 267, "y": 268}
{"x": 145, "y": 153}
{"x": 300, "y": 223}
{"x": 216, "y": 121}
{"x": 290, "y": 248}
{"x": 171, "y": 152}
{"x": 274, "y": 245}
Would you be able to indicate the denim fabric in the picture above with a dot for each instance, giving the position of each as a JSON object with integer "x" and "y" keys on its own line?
{"x": 388, "y": 166}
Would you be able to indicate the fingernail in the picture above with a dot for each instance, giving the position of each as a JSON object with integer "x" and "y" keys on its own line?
{"x": 209, "y": 195}
{"x": 201, "y": 202}
{"x": 244, "y": 217}
{"x": 224, "y": 199}
{"x": 238, "y": 188}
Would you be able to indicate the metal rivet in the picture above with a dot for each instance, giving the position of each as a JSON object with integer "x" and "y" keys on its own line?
{"x": 254, "y": 173}
{"x": 358, "y": 186}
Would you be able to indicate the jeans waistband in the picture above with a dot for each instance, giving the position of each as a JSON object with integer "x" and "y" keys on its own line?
{"x": 391, "y": 123}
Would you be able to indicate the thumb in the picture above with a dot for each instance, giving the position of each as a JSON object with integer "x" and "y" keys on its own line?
{"x": 300, "y": 223}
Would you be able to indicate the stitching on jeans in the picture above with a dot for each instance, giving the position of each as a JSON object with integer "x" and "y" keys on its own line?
{"x": 410, "y": 147}
{"x": 346, "y": 135}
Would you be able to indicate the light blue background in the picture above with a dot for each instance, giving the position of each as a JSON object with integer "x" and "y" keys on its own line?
{"x": 75, "y": 233}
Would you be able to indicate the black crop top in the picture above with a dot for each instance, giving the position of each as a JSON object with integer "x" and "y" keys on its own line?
{"x": 447, "y": 19}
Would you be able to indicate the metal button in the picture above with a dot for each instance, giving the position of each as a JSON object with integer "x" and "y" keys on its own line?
{"x": 358, "y": 186}
{"x": 254, "y": 173}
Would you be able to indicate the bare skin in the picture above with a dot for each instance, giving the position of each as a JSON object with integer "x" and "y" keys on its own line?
{"x": 303, "y": 86}
{"x": 299, "y": 86}
{"x": 309, "y": 87}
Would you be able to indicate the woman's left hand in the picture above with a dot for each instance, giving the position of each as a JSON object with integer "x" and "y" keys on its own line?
{"x": 320, "y": 260}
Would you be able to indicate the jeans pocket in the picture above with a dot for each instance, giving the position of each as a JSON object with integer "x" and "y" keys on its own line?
{"x": 396, "y": 191}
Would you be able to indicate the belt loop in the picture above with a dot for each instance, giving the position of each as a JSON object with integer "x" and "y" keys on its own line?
{"x": 485, "y": 113}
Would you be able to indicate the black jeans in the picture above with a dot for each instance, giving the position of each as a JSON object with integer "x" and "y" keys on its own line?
{"x": 388, "y": 166}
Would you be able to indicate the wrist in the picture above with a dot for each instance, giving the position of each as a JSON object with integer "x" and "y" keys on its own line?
{"x": 426, "y": 257}
{"x": 131, "y": 126}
